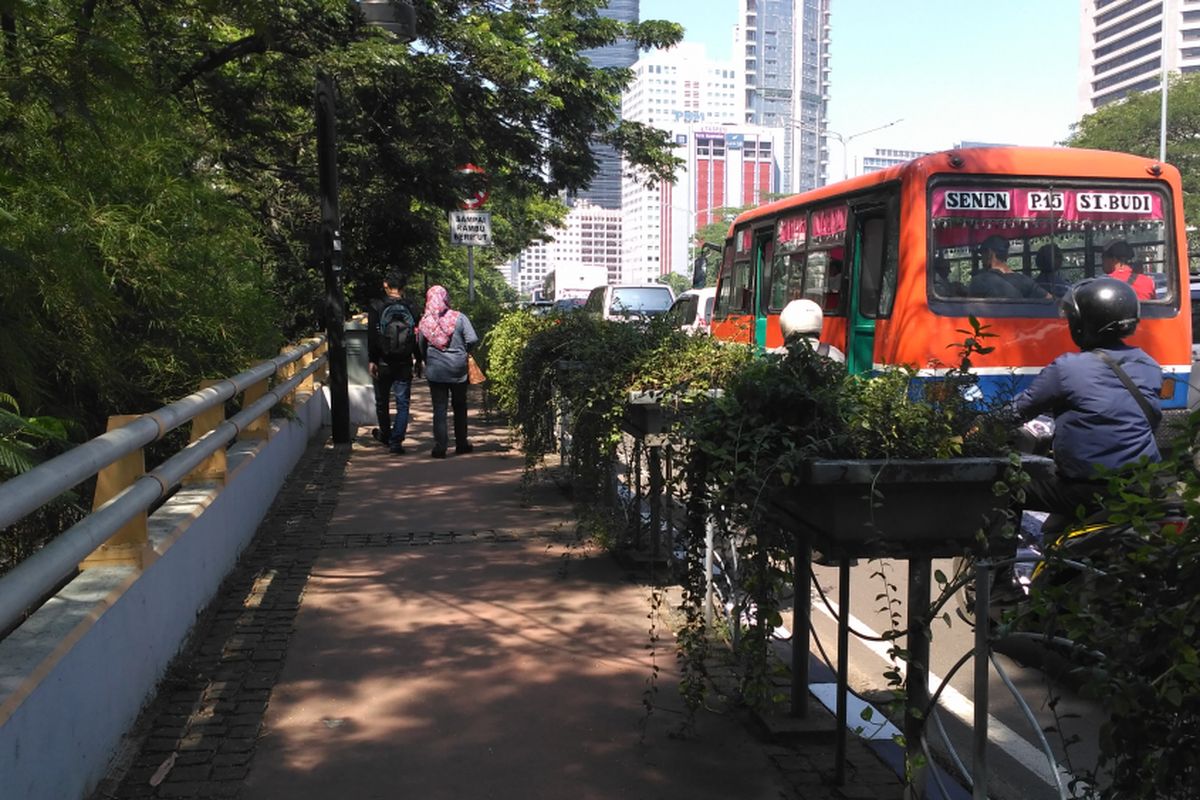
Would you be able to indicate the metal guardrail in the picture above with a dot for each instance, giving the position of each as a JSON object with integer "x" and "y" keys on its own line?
{"x": 31, "y": 580}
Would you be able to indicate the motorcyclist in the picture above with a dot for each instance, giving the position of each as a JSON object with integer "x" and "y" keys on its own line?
{"x": 801, "y": 322}
{"x": 1098, "y": 419}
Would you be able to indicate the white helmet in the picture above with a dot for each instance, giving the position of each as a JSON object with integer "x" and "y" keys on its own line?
{"x": 801, "y": 318}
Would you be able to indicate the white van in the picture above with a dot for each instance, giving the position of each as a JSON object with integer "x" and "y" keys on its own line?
{"x": 693, "y": 311}
{"x": 626, "y": 302}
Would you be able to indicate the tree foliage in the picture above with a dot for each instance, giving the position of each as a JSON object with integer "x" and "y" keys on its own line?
{"x": 159, "y": 166}
{"x": 1134, "y": 126}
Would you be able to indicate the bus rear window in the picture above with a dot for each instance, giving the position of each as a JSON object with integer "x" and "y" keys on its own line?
{"x": 1022, "y": 243}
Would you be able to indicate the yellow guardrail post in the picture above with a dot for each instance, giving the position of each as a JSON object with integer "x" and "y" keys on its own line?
{"x": 286, "y": 373}
{"x": 260, "y": 428}
{"x": 323, "y": 373}
{"x": 215, "y": 466}
{"x": 130, "y": 544}
{"x": 306, "y": 385}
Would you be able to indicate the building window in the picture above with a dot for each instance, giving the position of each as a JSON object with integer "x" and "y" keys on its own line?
{"x": 1133, "y": 38}
{"x": 1127, "y": 58}
{"x": 1132, "y": 22}
{"x": 1124, "y": 8}
{"x": 1142, "y": 86}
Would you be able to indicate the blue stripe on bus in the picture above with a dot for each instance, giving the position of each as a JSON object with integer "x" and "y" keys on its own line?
{"x": 1008, "y": 384}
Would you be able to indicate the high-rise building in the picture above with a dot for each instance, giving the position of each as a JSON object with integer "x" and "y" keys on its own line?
{"x": 605, "y": 188}
{"x": 884, "y": 157}
{"x": 695, "y": 100}
{"x": 783, "y": 49}
{"x": 591, "y": 236}
{"x": 1124, "y": 44}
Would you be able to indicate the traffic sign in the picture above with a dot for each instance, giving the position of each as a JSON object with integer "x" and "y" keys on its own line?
{"x": 471, "y": 227}
{"x": 480, "y": 196}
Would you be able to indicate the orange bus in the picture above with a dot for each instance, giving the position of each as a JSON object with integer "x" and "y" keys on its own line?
{"x": 893, "y": 259}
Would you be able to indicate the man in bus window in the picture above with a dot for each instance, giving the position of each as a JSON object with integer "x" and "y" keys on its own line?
{"x": 1049, "y": 261}
{"x": 1118, "y": 260}
{"x": 997, "y": 280}
{"x": 833, "y": 283}
{"x": 943, "y": 284}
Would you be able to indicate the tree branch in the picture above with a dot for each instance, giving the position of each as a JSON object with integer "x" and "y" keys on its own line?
{"x": 242, "y": 47}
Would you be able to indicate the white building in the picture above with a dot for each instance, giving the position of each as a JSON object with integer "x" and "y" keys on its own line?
{"x": 591, "y": 237}
{"x": 884, "y": 157}
{"x": 679, "y": 91}
{"x": 1124, "y": 43}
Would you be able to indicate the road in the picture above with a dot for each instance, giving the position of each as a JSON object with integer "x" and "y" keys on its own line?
{"x": 1018, "y": 766}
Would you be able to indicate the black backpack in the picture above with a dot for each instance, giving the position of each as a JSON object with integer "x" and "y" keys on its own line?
{"x": 396, "y": 330}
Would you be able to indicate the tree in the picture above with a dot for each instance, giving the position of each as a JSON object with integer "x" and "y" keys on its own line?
{"x": 678, "y": 283}
{"x": 160, "y": 171}
{"x": 713, "y": 234}
{"x": 501, "y": 85}
{"x": 128, "y": 272}
{"x": 1133, "y": 126}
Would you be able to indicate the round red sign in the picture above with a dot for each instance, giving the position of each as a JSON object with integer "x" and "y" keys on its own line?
{"x": 480, "y": 197}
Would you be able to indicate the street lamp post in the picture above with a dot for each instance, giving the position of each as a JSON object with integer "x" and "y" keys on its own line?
{"x": 844, "y": 140}
{"x": 397, "y": 17}
{"x": 325, "y": 104}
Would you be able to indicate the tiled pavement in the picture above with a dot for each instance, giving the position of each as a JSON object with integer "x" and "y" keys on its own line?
{"x": 404, "y": 627}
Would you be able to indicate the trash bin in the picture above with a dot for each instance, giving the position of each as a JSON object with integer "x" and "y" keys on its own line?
{"x": 357, "y": 359}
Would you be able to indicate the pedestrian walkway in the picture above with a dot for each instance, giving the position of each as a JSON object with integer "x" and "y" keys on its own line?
{"x": 407, "y": 627}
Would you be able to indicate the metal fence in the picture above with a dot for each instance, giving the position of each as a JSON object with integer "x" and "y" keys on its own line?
{"x": 25, "y": 586}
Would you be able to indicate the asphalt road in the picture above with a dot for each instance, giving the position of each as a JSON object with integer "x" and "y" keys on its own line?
{"x": 1018, "y": 766}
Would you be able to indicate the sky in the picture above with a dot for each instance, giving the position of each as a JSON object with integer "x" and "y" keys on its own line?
{"x": 949, "y": 70}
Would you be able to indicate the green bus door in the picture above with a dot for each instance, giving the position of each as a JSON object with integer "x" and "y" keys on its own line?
{"x": 869, "y": 240}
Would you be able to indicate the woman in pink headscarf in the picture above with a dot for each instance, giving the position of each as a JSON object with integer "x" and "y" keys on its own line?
{"x": 445, "y": 337}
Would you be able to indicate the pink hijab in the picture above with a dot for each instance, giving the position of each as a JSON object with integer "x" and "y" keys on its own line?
{"x": 437, "y": 324}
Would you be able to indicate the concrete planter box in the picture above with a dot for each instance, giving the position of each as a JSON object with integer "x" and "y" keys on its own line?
{"x": 866, "y": 508}
{"x": 644, "y": 414}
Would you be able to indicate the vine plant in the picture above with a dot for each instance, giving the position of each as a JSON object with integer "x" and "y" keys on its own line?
{"x": 570, "y": 375}
{"x": 752, "y": 443}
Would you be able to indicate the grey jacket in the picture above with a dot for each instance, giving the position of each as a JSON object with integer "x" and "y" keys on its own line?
{"x": 450, "y": 365}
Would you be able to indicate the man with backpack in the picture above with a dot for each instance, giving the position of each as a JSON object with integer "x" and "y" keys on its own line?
{"x": 393, "y": 353}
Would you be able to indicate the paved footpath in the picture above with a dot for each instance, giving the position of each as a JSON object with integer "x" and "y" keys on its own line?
{"x": 406, "y": 627}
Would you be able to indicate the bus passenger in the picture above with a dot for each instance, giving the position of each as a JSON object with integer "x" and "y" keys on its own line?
{"x": 1049, "y": 263}
{"x": 996, "y": 279}
{"x": 833, "y": 283}
{"x": 943, "y": 285}
{"x": 1117, "y": 260}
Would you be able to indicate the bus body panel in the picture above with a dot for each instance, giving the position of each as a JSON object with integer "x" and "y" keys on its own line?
{"x": 927, "y": 338}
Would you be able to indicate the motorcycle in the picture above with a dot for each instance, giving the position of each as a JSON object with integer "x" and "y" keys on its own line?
{"x": 1051, "y": 555}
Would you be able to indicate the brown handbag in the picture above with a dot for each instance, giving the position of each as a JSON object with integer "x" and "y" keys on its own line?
{"x": 474, "y": 373}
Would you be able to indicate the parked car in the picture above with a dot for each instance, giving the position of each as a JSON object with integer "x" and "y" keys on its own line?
{"x": 692, "y": 311}
{"x": 564, "y": 304}
{"x": 630, "y": 302}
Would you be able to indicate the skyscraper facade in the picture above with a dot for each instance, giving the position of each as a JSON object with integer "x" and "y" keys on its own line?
{"x": 783, "y": 50}
{"x": 694, "y": 99}
{"x": 605, "y": 188}
{"x": 1125, "y": 43}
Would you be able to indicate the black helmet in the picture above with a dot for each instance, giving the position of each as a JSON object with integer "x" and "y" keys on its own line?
{"x": 1101, "y": 311}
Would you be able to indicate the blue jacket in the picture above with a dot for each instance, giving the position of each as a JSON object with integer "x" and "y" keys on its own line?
{"x": 1097, "y": 422}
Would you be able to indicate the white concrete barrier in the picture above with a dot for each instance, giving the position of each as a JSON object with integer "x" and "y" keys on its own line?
{"x": 75, "y": 675}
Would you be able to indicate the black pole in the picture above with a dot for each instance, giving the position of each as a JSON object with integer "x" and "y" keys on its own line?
{"x": 324, "y": 101}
